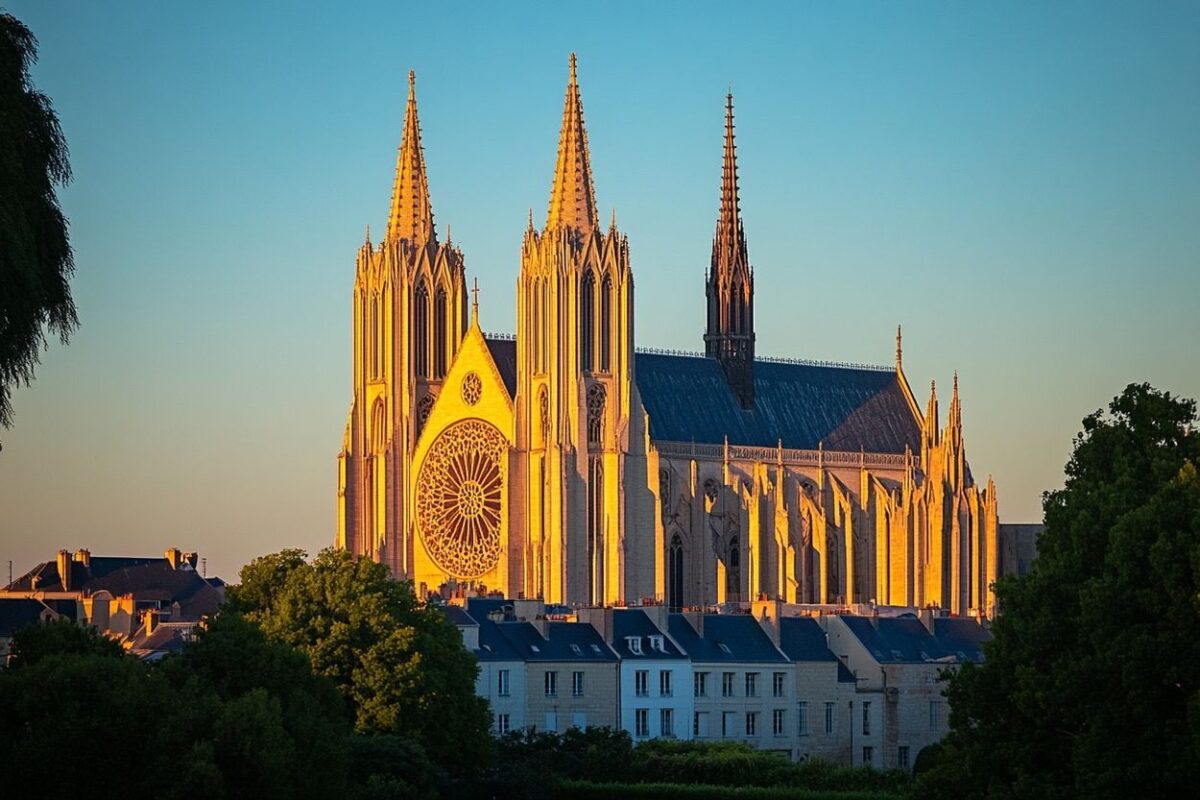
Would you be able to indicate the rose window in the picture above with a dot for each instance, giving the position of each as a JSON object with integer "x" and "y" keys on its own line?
{"x": 472, "y": 389}
{"x": 458, "y": 498}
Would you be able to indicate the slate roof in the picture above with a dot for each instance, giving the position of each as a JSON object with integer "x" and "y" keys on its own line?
{"x": 148, "y": 579}
{"x": 458, "y": 616}
{"x": 804, "y": 405}
{"x": 634, "y": 622}
{"x": 961, "y": 636}
{"x": 743, "y": 639}
{"x": 897, "y": 640}
{"x": 802, "y": 639}
{"x": 493, "y": 646}
{"x": 20, "y": 612}
{"x": 564, "y": 641}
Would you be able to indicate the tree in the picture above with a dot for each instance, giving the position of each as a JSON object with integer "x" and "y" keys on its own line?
{"x": 35, "y": 251}
{"x": 400, "y": 661}
{"x": 60, "y": 637}
{"x": 1091, "y": 685}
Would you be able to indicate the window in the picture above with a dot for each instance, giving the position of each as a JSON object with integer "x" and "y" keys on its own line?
{"x": 606, "y": 291}
{"x": 866, "y": 718}
{"x": 502, "y": 724}
{"x": 902, "y": 757}
{"x": 420, "y": 339}
{"x": 439, "y": 334}
{"x": 579, "y": 720}
{"x": 802, "y": 719}
{"x": 935, "y": 715}
{"x": 634, "y": 643}
{"x": 641, "y": 682}
{"x": 777, "y": 721}
{"x": 674, "y": 558}
{"x": 667, "y": 722}
{"x": 552, "y": 721}
{"x": 664, "y": 683}
{"x": 727, "y": 723}
{"x": 696, "y": 724}
{"x": 502, "y": 689}
{"x": 641, "y": 722}
{"x": 576, "y": 649}
{"x": 700, "y": 684}
{"x": 868, "y": 757}
{"x": 587, "y": 297}
{"x": 751, "y": 684}
{"x": 828, "y": 718}
{"x": 577, "y": 684}
{"x": 779, "y": 683}
{"x": 658, "y": 643}
{"x": 727, "y": 684}
{"x": 551, "y": 684}
{"x": 752, "y": 723}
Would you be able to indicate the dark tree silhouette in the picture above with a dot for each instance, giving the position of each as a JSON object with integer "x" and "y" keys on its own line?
{"x": 35, "y": 251}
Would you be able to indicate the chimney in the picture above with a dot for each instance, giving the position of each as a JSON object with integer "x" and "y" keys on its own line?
{"x": 191, "y": 559}
{"x": 84, "y": 557}
{"x": 926, "y": 616}
{"x": 767, "y": 612}
{"x": 150, "y": 621}
{"x": 173, "y": 557}
{"x": 64, "y": 569}
{"x": 599, "y": 618}
{"x": 696, "y": 620}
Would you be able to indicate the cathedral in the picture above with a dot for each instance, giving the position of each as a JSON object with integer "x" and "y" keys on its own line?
{"x": 563, "y": 463}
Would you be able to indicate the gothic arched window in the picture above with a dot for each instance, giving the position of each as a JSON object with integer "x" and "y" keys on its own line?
{"x": 544, "y": 415}
{"x": 372, "y": 336}
{"x": 439, "y": 334}
{"x": 675, "y": 574}
{"x": 606, "y": 292}
{"x": 587, "y": 293}
{"x": 536, "y": 333}
{"x": 735, "y": 308}
{"x": 420, "y": 338}
{"x": 595, "y": 409}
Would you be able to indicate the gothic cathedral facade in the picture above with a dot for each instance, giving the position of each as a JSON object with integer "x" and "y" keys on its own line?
{"x": 563, "y": 464}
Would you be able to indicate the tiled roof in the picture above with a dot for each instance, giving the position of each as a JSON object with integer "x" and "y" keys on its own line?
{"x": 148, "y": 579}
{"x": 564, "y": 641}
{"x": 727, "y": 637}
{"x": 802, "y": 639}
{"x": 20, "y": 612}
{"x": 804, "y": 405}
{"x": 634, "y": 623}
{"x": 961, "y": 636}
{"x": 897, "y": 640}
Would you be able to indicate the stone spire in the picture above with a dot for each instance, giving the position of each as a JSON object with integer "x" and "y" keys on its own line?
{"x": 572, "y": 197}
{"x": 729, "y": 242}
{"x": 729, "y": 336}
{"x": 411, "y": 217}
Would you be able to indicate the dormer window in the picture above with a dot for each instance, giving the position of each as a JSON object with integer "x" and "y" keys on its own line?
{"x": 657, "y": 643}
{"x": 596, "y": 649}
{"x": 576, "y": 650}
{"x": 724, "y": 648}
{"x": 535, "y": 648}
{"x": 634, "y": 643}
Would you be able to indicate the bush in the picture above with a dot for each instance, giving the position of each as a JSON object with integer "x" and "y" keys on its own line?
{"x": 586, "y": 790}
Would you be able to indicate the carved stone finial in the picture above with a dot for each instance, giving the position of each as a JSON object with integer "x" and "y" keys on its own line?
{"x": 475, "y": 300}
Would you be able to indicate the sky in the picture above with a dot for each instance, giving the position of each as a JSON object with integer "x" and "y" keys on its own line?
{"x": 1017, "y": 184}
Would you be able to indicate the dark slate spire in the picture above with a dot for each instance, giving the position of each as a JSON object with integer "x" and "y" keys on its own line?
{"x": 729, "y": 337}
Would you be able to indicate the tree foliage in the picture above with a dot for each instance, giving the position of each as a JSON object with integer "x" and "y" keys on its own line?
{"x": 1092, "y": 682}
{"x": 35, "y": 253}
{"x": 399, "y": 661}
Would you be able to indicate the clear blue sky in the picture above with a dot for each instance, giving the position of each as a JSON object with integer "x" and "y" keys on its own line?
{"x": 1017, "y": 183}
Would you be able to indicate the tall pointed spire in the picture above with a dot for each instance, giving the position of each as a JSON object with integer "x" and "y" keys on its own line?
{"x": 729, "y": 243}
{"x": 572, "y": 196}
{"x": 411, "y": 217}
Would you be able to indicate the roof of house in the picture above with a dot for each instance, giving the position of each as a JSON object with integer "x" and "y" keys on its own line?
{"x": 632, "y": 623}
{"x": 802, "y": 639}
{"x": 493, "y": 645}
{"x": 564, "y": 641}
{"x": 897, "y": 640}
{"x": 802, "y": 405}
{"x": 148, "y": 579}
{"x": 726, "y": 638}
{"x": 21, "y": 612}
{"x": 961, "y": 636}
{"x": 458, "y": 615}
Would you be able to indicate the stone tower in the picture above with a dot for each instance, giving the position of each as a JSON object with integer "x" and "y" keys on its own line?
{"x": 409, "y": 314}
{"x": 729, "y": 337}
{"x": 575, "y": 386}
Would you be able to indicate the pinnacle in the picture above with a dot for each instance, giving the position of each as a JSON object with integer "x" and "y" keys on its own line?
{"x": 572, "y": 196}
{"x": 729, "y": 242}
{"x": 411, "y": 214}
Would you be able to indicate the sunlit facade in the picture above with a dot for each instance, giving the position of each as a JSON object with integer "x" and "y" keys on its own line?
{"x": 562, "y": 464}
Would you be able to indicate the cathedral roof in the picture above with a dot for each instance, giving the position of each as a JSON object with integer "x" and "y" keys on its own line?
{"x": 803, "y": 405}
{"x": 799, "y": 404}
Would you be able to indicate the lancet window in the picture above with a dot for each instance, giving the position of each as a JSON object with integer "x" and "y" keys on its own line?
{"x": 596, "y": 397}
{"x": 675, "y": 574}
{"x": 420, "y": 337}
{"x": 606, "y": 292}
{"x": 439, "y": 334}
{"x": 587, "y": 293}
